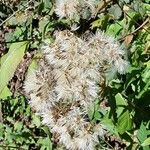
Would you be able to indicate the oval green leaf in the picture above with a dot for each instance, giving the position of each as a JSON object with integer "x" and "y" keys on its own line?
{"x": 146, "y": 142}
{"x": 10, "y": 63}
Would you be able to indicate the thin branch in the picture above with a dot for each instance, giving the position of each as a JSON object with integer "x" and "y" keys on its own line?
{"x": 15, "y": 13}
{"x": 137, "y": 23}
{"x": 133, "y": 19}
{"x": 106, "y": 142}
{"x": 141, "y": 26}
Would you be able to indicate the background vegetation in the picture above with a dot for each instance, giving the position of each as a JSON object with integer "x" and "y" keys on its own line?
{"x": 125, "y": 108}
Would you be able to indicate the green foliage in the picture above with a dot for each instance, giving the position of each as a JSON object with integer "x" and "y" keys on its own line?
{"x": 124, "y": 122}
{"x": 21, "y": 126}
{"x": 10, "y": 61}
{"x": 5, "y": 93}
{"x": 126, "y": 114}
{"x": 142, "y": 136}
{"x": 146, "y": 142}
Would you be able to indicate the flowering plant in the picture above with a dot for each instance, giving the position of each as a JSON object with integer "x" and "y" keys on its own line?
{"x": 67, "y": 83}
{"x": 65, "y": 77}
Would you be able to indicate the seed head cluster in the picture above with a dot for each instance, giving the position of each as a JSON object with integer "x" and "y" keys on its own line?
{"x": 67, "y": 82}
{"x": 74, "y": 9}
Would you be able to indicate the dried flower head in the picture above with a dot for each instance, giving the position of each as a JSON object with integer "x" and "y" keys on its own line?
{"x": 75, "y": 9}
{"x": 67, "y": 83}
{"x": 66, "y": 8}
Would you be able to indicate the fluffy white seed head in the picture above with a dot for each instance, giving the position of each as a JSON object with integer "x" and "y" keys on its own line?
{"x": 67, "y": 82}
{"x": 66, "y": 8}
{"x": 75, "y": 9}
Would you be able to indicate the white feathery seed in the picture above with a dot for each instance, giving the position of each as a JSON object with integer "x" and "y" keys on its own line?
{"x": 74, "y": 9}
{"x": 66, "y": 8}
{"x": 67, "y": 82}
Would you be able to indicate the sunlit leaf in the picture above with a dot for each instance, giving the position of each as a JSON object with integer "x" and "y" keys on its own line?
{"x": 142, "y": 135}
{"x": 36, "y": 121}
{"x": 9, "y": 65}
{"x": 120, "y": 104}
{"x": 46, "y": 142}
{"x": 124, "y": 122}
{"x": 5, "y": 93}
{"x": 146, "y": 142}
{"x": 146, "y": 75}
{"x": 18, "y": 126}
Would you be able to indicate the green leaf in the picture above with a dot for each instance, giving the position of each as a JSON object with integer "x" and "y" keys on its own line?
{"x": 114, "y": 29}
{"x": 32, "y": 67}
{"x": 93, "y": 111}
{"x": 142, "y": 135}
{"x": 147, "y": 64}
{"x": 34, "y": 64}
{"x": 2, "y": 130}
{"x": 18, "y": 126}
{"x": 36, "y": 121}
{"x": 116, "y": 11}
{"x": 9, "y": 36}
{"x": 147, "y": 1}
{"x": 124, "y": 122}
{"x": 120, "y": 104}
{"x": 97, "y": 115}
{"x": 120, "y": 101}
{"x": 101, "y": 22}
{"x": 108, "y": 123}
{"x": 5, "y": 93}
{"x": 96, "y": 23}
{"x": 144, "y": 90}
{"x": 47, "y": 4}
{"x": 9, "y": 65}
{"x": 42, "y": 26}
{"x": 146, "y": 75}
{"x": 146, "y": 142}
{"x": 46, "y": 142}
